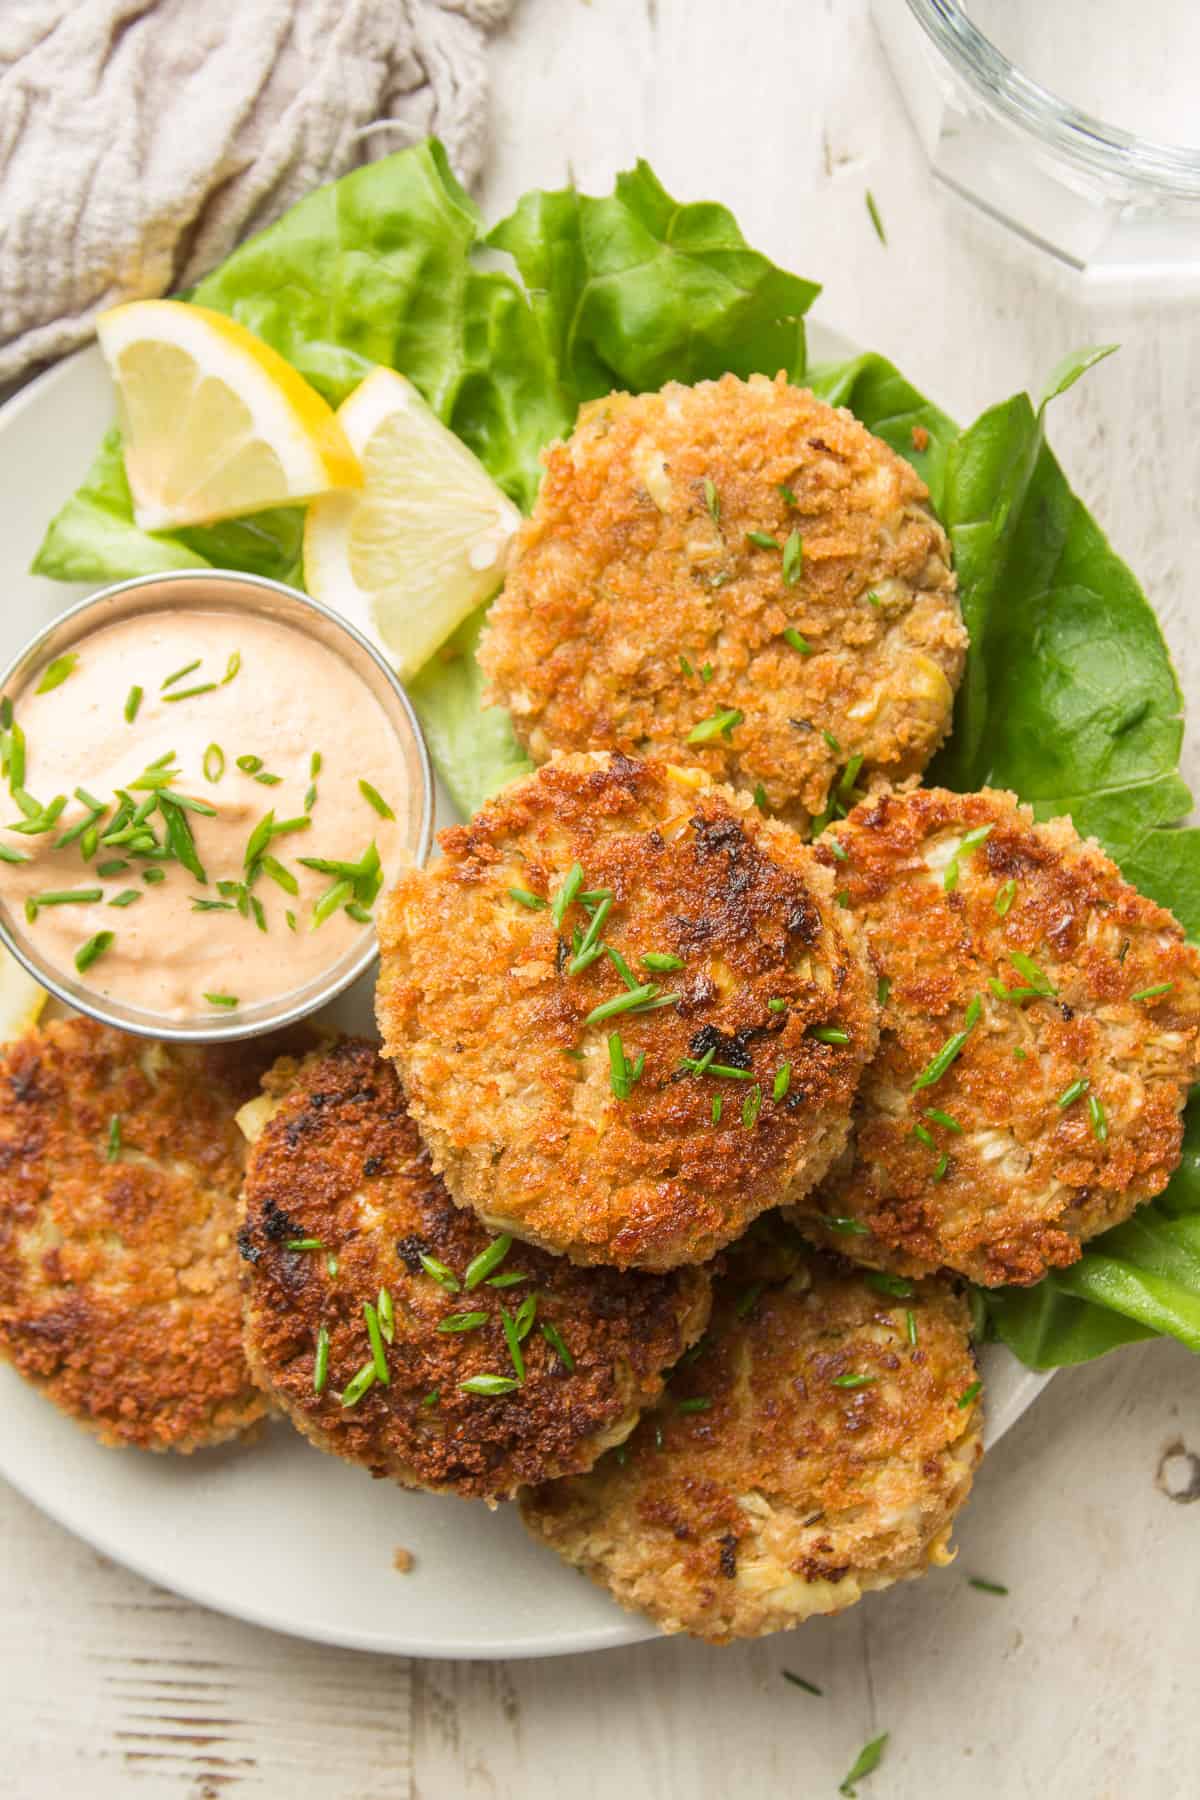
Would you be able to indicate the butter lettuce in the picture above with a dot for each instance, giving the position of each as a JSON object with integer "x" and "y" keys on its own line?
{"x": 1069, "y": 696}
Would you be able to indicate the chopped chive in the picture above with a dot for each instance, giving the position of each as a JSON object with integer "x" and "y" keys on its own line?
{"x": 375, "y": 1337}
{"x": 374, "y": 798}
{"x": 331, "y": 901}
{"x": 6, "y": 713}
{"x": 437, "y": 1271}
{"x": 513, "y": 1342}
{"x": 310, "y": 798}
{"x": 226, "y": 1000}
{"x": 829, "y": 1034}
{"x": 321, "y": 1361}
{"x": 35, "y": 824}
{"x": 850, "y": 774}
{"x": 554, "y": 1339}
{"x": 873, "y": 599}
{"x": 621, "y": 1003}
{"x": 214, "y": 763}
{"x": 831, "y": 741}
{"x": 589, "y": 943}
{"x": 490, "y": 1385}
{"x": 793, "y": 558}
{"x": 572, "y": 882}
{"x": 331, "y": 1265}
{"x": 776, "y": 1005}
{"x": 303, "y": 1243}
{"x": 593, "y": 896}
{"x": 12, "y": 856}
{"x": 180, "y": 673}
{"x": 783, "y": 1081}
{"x": 534, "y": 902}
{"x": 114, "y": 1137}
{"x": 897, "y": 1286}
{"x": 706, "y": 1066}
{"x": 268, "y": 780}
{"x": 205, "y": 906}
{"x": 132, "y": 701}
{"x": 56, "y": 672}
{"x": 179, "y": 838}
{"x": 202, "y": 687}
{"x": 95, "y": 948}
{"x": 848, "y": 1227}
{"x": 810, "y": 1687}
{"x": 278, "y": 874}
{"x": 969, "y": 1394}
{"x": 1002, "y": 904}
{"x": 910, "y": 1326}
{"x": 622, "y": 967}
{"x": 700, "y": 1404}
{"x": 621, "y": 1077}
{"x": 751, "y": 1107}
{"x": 924, "y": 1136}
{"x": 661, "y": 961}
{"x": 686, "y": 666}
{"x": 1098, "y": 1117}
{"x": 290, "y": 918}
{"x": 359, "y": 914}
{"x": 943, "y": 1119}
{"x": 249, "y": 765}
{"x": 951, "y": 1049}
{"x": 68, "y": 896}
{"x": 231, "y": 668}
{"x": 1037, "y": 978}
{"x": 986, "y": 1587}
{"x": 260, "y": 917}
{"x": 1075, "y": 1092}
{"x": 152, "y": 876}
{"x": 1153, "y": 993}
{"x": 942, "y": 1164}
{"x": 853, "y": 1381}
{"x": 706, "y": 673}
{"x": 360, "y": 1384}
{"x": 717, "y": 1106}
{"x": 760, "y": 796}
{"x": 466, "y": 1321}
{"x": 762, "y": 540}
{"x": 127, "y": 897}
{"x": 481, "y": 1266}
{"x": 881, "y": 234}
{"x": 883, "y": 990}
{"x": 1020, "y": 1053}
{"x": 871, "y": 1755}
{"x": 712, "y": 500}
{"x": 837, "y": 847}
{"x": 720, "y": 724}
{"x": 971, "y": 841}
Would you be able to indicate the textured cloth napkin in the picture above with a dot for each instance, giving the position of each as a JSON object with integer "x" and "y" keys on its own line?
{"x": 141, "y": 139}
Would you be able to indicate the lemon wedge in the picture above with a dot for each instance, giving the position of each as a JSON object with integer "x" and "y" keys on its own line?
{"x": 21, "y": 999}
{"x": 215, "y": 422}
{"x": 424, "y": 542}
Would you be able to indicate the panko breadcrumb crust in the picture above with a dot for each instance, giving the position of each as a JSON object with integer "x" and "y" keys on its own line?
{"x": 650, "y": 591}
{"x": 817, "y": 1449}
{"x": 1065, "y": 1105}
{"x": 510, "y": 1084}
{"x": 118, "y": 1263}
{"x": 337, "y": 1158}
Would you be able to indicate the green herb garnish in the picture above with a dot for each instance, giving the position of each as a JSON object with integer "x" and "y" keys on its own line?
{"x": 623, "y": 1075}
{"x": 375, "y": 1337}
{"x": 1075, "y": 1092}
{"x": 717, "y": 1106}
{"x": 1037, "y": 978}
{"x": 228, "y": 1001}
{"x": 127, "y": 897}
{"x": 793, "y": 558}
{"x": 829, "y": 1034}
{"x": 214, "y": 763}
{"x": 1153, "y": 993}
{"x": 721, "y": 724}
{"x": 881, "y": 234}
{"x": 202, "y": 687}
{"x": 437, "y": 1271}
{"x": 114, "y": 1137}
{"x": 490, "y": 1385}
{"x": 572, "y": 882}
{"x": 853, "y": 1381}
{"x": 662, "y": 961}
{"x": 969, "y": 1394}
{"x": 321, "y": 1361}
{"x": 760, "y": 796}
{"x": 898, "y": 1287}
{"x": 465, "y": 1321}
{"x": 56, "y": 672}
{"x": 1099, "y": 1118}
{"x": 514, "y": 1343}
{"x": 871, "y": 1755}
{"x": 68, "y": 896}
{"x": 374, "y": 798}
{"x": 1004, "y": 898}
{"x": 621, "y": 1003}
{"x": 910, "y": 1326}
{"x": 700, "y": 1404}
{"x": 762, "y": 540}
{"x": 180, "y": 673}
{"x": 386, "y": 1312}
{"x": 951, "y": 1049}
{"x": 93, "y": 950}
{"x": 752, "y": 1106}
{"x": 986, "y": 1587}
{"x": 971, "y": 841}
{"x": 848, "y": 1227}
{"x": 554, "y": 1339}
{"x": 481, "y": 1266}
{"x": 231, "y": 668}
{"x": 360, "y": 1384}
{"x": 524, "y": 897}
{"x": 810, "y": 1687}
{"x": 783, "y": 1081}
{"x": 712, "y": 500}
{"x": 303, "y": 1243}
{"x": 943, "y": 1119}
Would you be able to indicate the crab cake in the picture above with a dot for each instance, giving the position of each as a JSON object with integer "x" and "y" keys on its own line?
{"x": 627, "y": 1010}
{"x": 120, "y": 1161}
{"x": 817, "y": 1449}
{"x": 343, "y": 1211}
{"x": 734, "y": 575}
{"x": 1040, "y": 1033}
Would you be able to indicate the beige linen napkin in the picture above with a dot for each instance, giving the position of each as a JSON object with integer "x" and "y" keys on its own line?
{"x": 141, "y": 139}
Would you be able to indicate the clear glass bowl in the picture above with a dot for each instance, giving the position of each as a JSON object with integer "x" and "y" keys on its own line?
{"x": 1118, "y": 213}
{"x": 223, "y": 590}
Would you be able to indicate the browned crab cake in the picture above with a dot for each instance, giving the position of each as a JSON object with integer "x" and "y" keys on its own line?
{"x": 1040, "y": 1034}
{"x": 344, "y": 1212}
{"x": 817, "y": 1449}
{"x": 740, "y": 555}
{"x": 120, "y": 1161}
{"x": 641, "y": 1104}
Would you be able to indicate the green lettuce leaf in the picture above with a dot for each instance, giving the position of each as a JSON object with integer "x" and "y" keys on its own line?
{"x": 473, "y": 747}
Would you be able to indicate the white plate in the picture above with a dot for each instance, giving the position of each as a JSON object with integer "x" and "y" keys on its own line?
{"x": 276, "y": 1533}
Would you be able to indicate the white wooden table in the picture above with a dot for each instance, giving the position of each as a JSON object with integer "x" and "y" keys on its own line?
{"x": 1083, "y": 1681}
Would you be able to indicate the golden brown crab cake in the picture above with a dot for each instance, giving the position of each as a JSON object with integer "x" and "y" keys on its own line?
{"x": 817, "y": 1449}
{"x": 343, "y": 1208}
{"x": 736, "y": 554}
{"x": 1040, "y": 1034}
{"x": 120, "y": 1162}
{"x": 637, "y": 1104}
